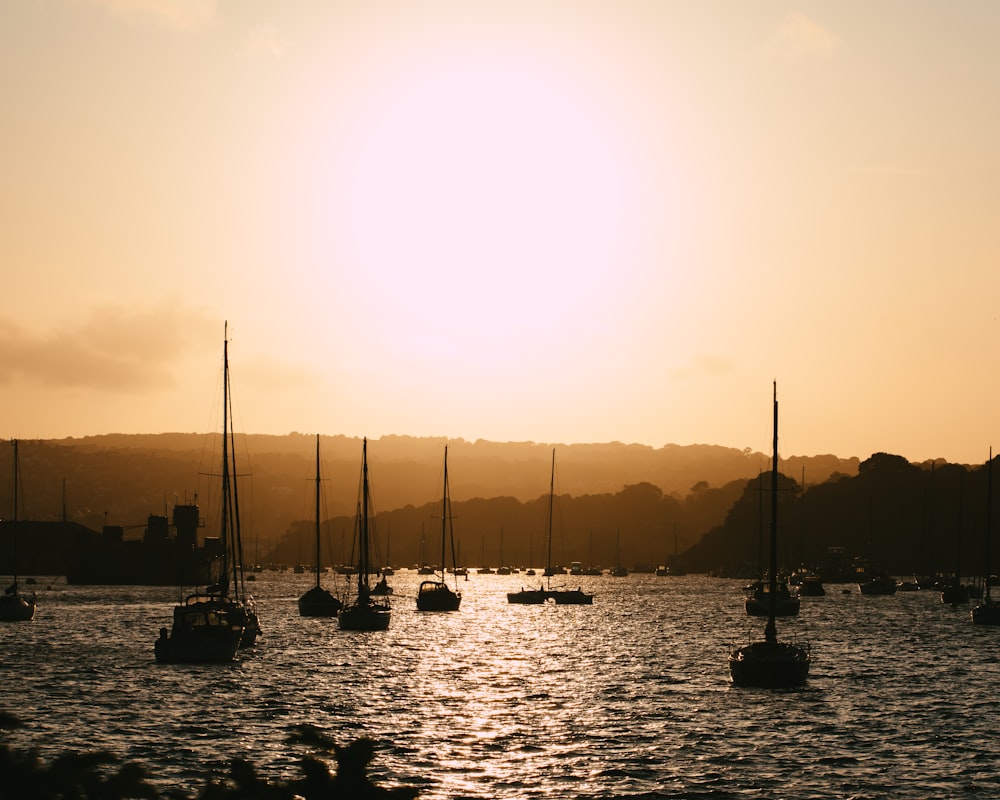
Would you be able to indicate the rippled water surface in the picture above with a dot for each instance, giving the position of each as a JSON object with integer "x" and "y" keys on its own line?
{"x": 628, "y": 697}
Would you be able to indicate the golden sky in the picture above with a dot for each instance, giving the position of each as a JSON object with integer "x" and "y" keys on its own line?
{"x": 547, "y": 221}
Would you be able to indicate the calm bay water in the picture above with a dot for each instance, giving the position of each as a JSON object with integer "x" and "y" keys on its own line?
{"x": 630, "y": 697}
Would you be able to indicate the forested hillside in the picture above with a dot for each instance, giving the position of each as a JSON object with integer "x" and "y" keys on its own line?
{"x": 650, "y": 497}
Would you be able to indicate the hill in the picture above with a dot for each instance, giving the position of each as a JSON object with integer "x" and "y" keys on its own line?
{"x": 121, "y": 479}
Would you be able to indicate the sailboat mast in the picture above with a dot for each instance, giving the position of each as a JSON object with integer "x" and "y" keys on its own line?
{"x": 317, "y": 510}
{"x": 17, "y": 469}
{"x": 239, "y": 585}
{"x": 770, "y": 631}
{"x": 363, "y": 534}
{"x": 224, "y": 532}
{"x": 989, "y": 527}
{"x": 444, "y": 511}
{"x": 552, "y": 490}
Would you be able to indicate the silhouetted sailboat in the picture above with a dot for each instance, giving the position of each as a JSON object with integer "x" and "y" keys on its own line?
{"x": 988, "y": 611}
{"x": 770, "y": 663}
{"x": 540, "y": 595}
{"x": 874, "y": 582}
{"x": 14, "y": 606}
{"x": 206, "y": 623}
{"x": 230, "y": 528}
{"x": 619, "y": 570}
{"x": 364, "y": 613}
{"x": 436, "y": 595}
{"x": 759, "y": 600}
{"x": 318, "y": 602}
{"x": 504, "y": 568}
{"x": 955, "y": 593}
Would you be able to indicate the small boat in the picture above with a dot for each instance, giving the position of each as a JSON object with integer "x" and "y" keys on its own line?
{"x": 770, "y": 663}
{"x": 436, "y": 595}
{"x": 758, "y": 600}
{"x": 504, "y": 568}
{"x": 364, "y": 613}
{"x": 207, "y": 628}
{"x": 878, "y": 584}
{"x": 872, "y": 581}
{"x": 14, "y": 606}
{"x": 988, "y": 611}
{"x": 571, "y": 597}
{"x": 528, "y": 597}
{"x": 538, "y": 596}
{"x": 382, "y": 588}
{"x": 619, "y": 570}
{"x": 807, "y": 582}
{"x": 317, "y": 601}
{"x": 955, "y": 593}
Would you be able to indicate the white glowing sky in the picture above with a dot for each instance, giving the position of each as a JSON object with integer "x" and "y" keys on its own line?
{"x": 559, "y": 222}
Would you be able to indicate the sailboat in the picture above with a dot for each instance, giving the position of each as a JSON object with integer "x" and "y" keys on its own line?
{"x": 318, "y": 602}
{"x": 212, "y": 625}
{"x": 872, "y": 581}
{"x": 619, "y": 570}
{"x": 540, "y": 595}
{"x": 988, "y": 611}
{"x": 955, "y": 593}
{"x": 365, "y": 613}
{"x": 435, "y": 595}
{"x": 504, "y": 568}
{"x": 424, "y": 568}
{"x": 230, "y": 527}
{"x": 770, "y": 663}
{"x": 14, "y": 606}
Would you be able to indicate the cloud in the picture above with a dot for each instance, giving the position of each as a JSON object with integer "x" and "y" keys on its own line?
{"x": 117, "y": 349}
{"x": 176, "y": 14}
{"x": 802, "y": 38}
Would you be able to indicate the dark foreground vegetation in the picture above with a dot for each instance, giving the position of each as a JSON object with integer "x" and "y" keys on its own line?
{"x": 103, "y": 776}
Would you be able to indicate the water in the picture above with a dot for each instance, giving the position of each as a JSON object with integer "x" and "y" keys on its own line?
{"x": 629, "y": 697}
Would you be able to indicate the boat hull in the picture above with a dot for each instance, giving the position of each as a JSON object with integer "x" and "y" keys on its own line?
{"x": 954, "y": 595}
{"x": 528, "y": 597}
{"x": 987, "y": 613}
{"x": 318, "y": 602}
{"x": 770, "y": 665}
{"x": 760, "y": 607}
{"x": 16, "y": 608}
{"x": 878, "y": 586}
{"x": 435, "y": 596}
{"x": 571, "y": 597}
{"x": 205, "y": 630}
{"x": 365, "y": 617}
{"x": 246, "y": 614}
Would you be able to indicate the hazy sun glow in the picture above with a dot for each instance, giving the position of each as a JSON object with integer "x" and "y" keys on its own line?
{"x": 559, "y": 222}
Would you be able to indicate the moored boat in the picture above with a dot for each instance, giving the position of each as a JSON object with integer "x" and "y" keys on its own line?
{"x": 988, "y": 611}
{"x": 770, "y": 663}
{"x": 878, "y": 584}
{"x": 364, "y": 613}
{"x": 758, "y": 602}
{"x": 204, "y": 623}
{"x": 436, "y": 595}
{"x": 207, "y": 628}
{"x": 15, "y": 606}
{"x": 538, "y": 596}
{"x": 317, "y": 601}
